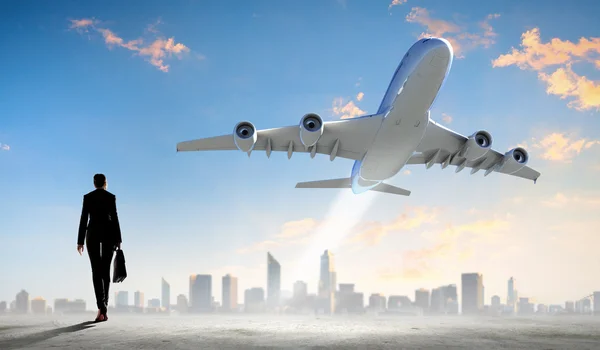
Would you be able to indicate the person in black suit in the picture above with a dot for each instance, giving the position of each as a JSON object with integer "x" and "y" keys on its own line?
{"x": 103, "y": 237}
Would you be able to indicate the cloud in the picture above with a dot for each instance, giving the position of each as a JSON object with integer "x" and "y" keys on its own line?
{"x": 358, "y": 82}
{"x": 360, "y": 96}
{"x": 157, "y": 51}
{"x": 82, "y": 25}
{"x": 560, "y": 200}
{"x": 396, "y": 3}
{"x": 297, "y": 228}
{"x": 566, "y": 83}
{"x": 457, "y": 35}
{"x": 4, "y": 147}
{"x": 429, "y": 262}
{"x": 563, "y": 82}
{"x": 406, "y": 172}
{"x": 346, "y": 110}
{"x": 371, "y": 233}
{"x": 561, "y": 147}
{"x": 290, "y": 233}
{"x": 446, "y": 118}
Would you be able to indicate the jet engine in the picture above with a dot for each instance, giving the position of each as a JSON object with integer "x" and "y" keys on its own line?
{"x": 477, "y": 145}
{"x": 311, "y": 129}
{"x": 514, "y": 160}
{"x": 244, "y": 136}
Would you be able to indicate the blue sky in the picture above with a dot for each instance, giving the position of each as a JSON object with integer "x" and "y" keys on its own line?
{"x": 74, "y": 103}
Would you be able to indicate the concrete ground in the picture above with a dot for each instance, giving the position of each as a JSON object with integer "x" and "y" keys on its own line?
{"x": 125, "y": 331}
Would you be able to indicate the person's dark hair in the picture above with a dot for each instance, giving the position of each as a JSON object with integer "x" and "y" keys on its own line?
{"x": 99, "y": 180}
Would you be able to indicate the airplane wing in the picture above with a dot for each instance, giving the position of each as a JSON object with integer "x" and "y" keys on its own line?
{"x": 348, "y": 138}
{"x": 441, "y": 145}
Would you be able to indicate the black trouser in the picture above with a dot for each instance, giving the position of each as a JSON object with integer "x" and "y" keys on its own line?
{"x": 100, "y": 257}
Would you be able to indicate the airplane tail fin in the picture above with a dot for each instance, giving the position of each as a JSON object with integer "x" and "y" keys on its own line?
{"x": 347, "y": 183}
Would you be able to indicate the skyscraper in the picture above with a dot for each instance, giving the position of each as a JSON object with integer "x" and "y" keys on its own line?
{"x": 229, "y": 293}
{"x": 200, "y": 293}
{"x": 596, "y": 303}
{"x": 38, "y": 305}
{"x": 300, "y": 290}
{"x": 22, "y": 302}
{"x": 472, "y": 293}
{"x": 138, "y": 299}
{"x": 327, "y": 280}
{"x": 254, "y": 299}
{"x": 273, "y": 281}
{"x": 122, "y": 299}
{"x": 511, "y": 297}
{"x": 166, "y": 295}
{"x": 182, "y": 304}
{"x": 422, "y": 298}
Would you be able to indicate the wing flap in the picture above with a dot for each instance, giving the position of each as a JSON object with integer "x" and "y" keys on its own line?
{"x": 442, "y": 143}
{"x": 353, "y": 136}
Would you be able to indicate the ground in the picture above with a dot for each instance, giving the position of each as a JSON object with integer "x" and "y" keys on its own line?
{"x": 124, "y": 331}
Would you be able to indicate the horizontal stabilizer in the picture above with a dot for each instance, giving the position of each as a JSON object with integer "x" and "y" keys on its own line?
{"x": 391, "y": 189}
{"x": 332, "y": 183}
{"x": 346, "y": 183}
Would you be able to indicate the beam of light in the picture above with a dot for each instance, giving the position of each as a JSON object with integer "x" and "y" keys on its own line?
{"x": 344, "y": 214}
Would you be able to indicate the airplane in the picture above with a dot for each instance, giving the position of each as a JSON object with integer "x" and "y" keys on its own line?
{"x": 381, "y": 144}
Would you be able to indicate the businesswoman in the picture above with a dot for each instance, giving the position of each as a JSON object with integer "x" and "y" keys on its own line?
{"x": 102, "y": 235}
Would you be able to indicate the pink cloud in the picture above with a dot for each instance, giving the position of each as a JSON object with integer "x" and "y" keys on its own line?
{"x": 157, "y": 51}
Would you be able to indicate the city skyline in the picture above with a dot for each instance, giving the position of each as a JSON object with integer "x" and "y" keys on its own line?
{"x": 522, "y": 72}
{"x": 201, "y": 297}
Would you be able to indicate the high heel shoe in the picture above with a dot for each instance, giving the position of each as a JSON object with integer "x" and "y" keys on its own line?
{"x": 100, "y": 318}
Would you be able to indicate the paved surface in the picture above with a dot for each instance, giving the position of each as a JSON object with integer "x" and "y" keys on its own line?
{"x": 298, "y": 332}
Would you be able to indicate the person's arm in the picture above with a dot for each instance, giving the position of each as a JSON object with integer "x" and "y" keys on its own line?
{"x": 115, "y": 219}
{"x": 82, "y": 223}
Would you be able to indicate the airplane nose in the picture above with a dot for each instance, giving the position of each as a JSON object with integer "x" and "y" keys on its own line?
{"x": 443, "y": 48}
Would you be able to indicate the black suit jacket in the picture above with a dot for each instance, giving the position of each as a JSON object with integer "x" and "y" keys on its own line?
{"x": 101, "y": 208}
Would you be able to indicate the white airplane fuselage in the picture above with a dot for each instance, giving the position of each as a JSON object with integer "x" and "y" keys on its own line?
{"x": 405, "y": 108}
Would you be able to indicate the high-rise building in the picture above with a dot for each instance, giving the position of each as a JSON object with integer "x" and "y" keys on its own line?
{"x": 327, "y": 283}
{"x": 165, "y": 298}
{"x": 22, "y": 302}
{"x": 2, "y": 306}
{"x": 422, "y": 299}
{"x": 229, "y": 298}
{"x": 200, "y": 293}
{"x": 596, "y": 306}
{"x": 512, "y": 296}
{"x": 254, "y": 300}
{"x": 154, "y": 303}
{"x": 472, "y": 293}
{"x": 138, "y": 299}
{"x": 496, "y": 301}
{"x": 377, "y": 302}
{"x": 273, "y": 281}
{"x": 300, "y": 290}
{"x": 347, "y": 300}
{"x": 122, "y": 299}
{"x": 182, "y": 304}
{"x": 38, "y": 305}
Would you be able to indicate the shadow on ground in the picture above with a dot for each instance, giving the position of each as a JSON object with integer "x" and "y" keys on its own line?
{"x": 31, "y": 339}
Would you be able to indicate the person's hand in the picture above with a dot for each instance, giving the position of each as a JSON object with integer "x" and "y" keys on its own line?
{"x": 80, "y": 248}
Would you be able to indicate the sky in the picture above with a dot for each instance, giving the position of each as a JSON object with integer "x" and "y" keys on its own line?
{"x": 111, "y": 88}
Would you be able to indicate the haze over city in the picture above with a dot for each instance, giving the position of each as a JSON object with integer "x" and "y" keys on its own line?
{"x": 91, "y": 88}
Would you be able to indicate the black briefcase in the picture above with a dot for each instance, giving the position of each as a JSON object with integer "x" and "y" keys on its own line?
{"x": 119, "y": 270}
